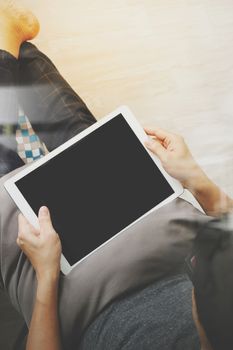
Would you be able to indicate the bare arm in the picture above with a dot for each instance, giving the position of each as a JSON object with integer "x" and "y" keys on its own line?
{"x": 179, "y": 163}
{"x": 44, "y": 251}
{"x": 212, "y": 199}
{"x": 44, "y": 327}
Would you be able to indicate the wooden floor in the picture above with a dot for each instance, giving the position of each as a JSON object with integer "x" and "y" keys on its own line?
{"x": 169, "y": 61}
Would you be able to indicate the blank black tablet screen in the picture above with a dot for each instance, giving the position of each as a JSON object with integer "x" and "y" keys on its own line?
{"x": 96, "y": 188}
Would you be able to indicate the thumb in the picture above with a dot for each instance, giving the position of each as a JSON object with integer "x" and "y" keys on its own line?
{"x": 156, "y": 147}
{"x": 45, "y": 220}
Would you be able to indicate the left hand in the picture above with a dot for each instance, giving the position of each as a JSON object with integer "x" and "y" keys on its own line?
{"x": 42, "y": 247}
{"x": 175, "y": 157}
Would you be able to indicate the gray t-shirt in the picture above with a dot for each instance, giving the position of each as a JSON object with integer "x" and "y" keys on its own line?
{"x": 158, "y": 317}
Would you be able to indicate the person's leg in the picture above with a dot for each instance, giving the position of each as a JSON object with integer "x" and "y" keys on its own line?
{"x": 9, "y": 160}
{"x": 156, "y": 317}
{"x": 17, "y": 25}
{"x": 12, "y": 326}
{"x": 153, "y": 248}
{"x": 57, "y": 113}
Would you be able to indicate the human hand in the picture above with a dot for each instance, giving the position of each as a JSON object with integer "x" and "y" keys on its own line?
{"x": 175, "y": 156}
{"x": 42, "y": 247}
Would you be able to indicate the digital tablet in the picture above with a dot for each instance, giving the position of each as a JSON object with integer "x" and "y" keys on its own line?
{"x": 96, "y": 185}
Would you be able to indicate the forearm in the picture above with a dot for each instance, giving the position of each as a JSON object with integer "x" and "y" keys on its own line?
{"x": 44, "y": 328}
{"x": 211, "y": 198}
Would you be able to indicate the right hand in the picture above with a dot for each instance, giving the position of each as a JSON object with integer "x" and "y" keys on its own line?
{"x": 174, "y": 155}
{"x": 42, "y": 247}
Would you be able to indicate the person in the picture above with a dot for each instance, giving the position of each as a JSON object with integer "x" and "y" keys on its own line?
{"x": 39, "y": 245}
{"x": 62, "y": 309}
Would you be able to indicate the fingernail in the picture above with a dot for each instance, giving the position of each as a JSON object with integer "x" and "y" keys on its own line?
{"x": 43, "y": 211}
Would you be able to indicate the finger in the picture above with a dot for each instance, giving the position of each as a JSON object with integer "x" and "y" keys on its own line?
{"x": 161, "y": 134}
{"x": 149, "y": 131}
{"x": 23, "y": 221}
{"x": 156, "y": 147}
{"x": 19, "y": 242}
{"x": 25, "y": 234}
{"x": 22, "y": 224}
{"x": 45, "y": 220}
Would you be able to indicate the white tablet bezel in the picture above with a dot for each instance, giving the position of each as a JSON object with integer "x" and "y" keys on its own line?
{"x": 27, "y": 211}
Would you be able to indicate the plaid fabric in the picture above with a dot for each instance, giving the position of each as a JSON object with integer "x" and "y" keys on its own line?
{"x": 29, "y": 146}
